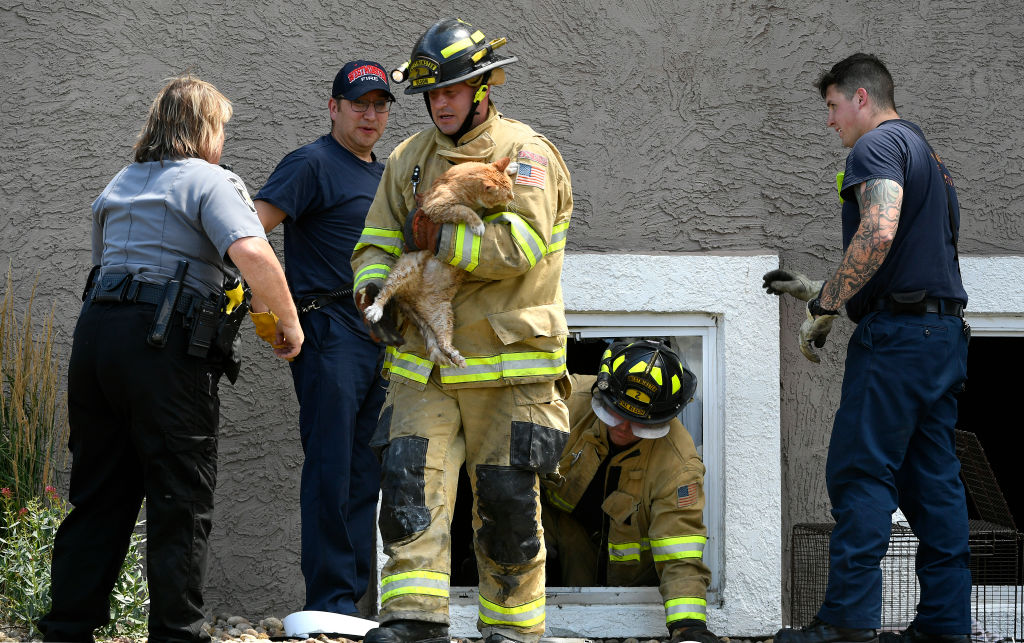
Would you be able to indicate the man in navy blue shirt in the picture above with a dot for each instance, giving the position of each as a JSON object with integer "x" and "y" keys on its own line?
{"x": 892, "y": 441}
{"x": 321, "y": 193}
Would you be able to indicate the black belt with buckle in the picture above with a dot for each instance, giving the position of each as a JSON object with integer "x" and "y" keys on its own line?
{"x": 926, "y": 305}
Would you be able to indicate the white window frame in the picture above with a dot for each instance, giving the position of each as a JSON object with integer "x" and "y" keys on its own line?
{"x": 691, "y": 289}
{"x": 995, "y": 308}
{"x": 609, "y": 325}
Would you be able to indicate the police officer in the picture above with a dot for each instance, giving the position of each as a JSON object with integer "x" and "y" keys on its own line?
{"x": 503, "y": 413}
{"x": 625, "y": 507}
{"x": 151, "y": 343}
{"x": 892, "y": 440}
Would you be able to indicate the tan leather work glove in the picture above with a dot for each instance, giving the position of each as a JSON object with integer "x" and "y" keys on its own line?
{"x": 780, "y": 281}
{"x": 385, "y": 330}
{"x": 814, "y": 330}
{"x": 266, "y": 326}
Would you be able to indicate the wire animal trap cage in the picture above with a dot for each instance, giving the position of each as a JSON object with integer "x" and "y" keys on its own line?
{"x": 996, "y": 575}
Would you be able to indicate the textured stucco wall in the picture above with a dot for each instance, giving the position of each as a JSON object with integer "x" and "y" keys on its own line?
{"x": 688, "y": 127}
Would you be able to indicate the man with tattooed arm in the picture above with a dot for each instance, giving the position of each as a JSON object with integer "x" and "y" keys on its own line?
{"x": 892, "y": 442}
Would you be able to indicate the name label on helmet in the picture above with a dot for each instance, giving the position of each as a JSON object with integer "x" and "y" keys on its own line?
{"x": 423, "y": 71}
{"x": 632, "y": 408}
{"x": 643, "y": 382}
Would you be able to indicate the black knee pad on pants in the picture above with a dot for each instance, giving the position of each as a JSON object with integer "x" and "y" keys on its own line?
{"x": 536, "y": 447}
{"x": 403, "y": 510}
{"x": 507, "y": 506}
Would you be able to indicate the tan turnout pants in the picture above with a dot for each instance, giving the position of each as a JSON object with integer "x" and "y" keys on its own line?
{"x": 506, "y": 436}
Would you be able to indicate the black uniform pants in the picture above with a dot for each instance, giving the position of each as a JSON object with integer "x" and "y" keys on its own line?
{"x": 143, "y": 425}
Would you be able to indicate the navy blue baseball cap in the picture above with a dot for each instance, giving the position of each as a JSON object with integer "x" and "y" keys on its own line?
{"x": 359, "y": 77}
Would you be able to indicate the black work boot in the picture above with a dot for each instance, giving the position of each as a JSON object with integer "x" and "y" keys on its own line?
{"x": 498, "y": 638}
{"x": 913, "y": 635}
{"x": 818, "y": 631}
{"x": 408, "y": 632}
{"x": 693, "y": 633}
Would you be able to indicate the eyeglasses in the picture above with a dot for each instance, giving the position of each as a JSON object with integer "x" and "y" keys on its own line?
{"x": 379, "y": 106}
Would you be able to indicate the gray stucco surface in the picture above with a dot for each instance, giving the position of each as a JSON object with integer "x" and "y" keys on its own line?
{"x": 688, "y": 127}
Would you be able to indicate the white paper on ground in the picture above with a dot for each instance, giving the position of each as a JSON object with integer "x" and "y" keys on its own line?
{"x": 313, "y": 622}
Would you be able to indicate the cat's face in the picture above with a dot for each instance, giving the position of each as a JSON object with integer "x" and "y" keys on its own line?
{"x": 493, "y": 185}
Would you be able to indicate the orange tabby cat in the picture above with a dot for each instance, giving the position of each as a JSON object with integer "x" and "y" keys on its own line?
{"x": 422, "y": 285}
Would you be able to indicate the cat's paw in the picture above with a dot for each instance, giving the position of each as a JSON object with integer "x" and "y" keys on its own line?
{"x": 373, "y": 313}
{"x": 477, "y": 228}
{"x": 436, "y": 355}
{"x": 446, "y": 358}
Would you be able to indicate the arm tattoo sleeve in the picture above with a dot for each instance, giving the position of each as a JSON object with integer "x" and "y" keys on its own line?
{"x": 880, "y": 201}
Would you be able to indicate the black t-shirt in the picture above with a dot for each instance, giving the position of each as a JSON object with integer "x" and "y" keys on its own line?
{"x": 922, "y": 253}
{"x": 326, "y": 191}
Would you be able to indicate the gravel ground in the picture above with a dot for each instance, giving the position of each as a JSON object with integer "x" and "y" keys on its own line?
{"x": 239, "y": 629}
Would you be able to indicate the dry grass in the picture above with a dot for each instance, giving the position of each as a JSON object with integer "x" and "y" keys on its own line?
{"x": 33, "y": 409}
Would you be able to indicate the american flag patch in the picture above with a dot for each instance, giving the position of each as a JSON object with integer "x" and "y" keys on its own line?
{"x": 686, "y": 495}
{"x": 533, "y": 156}
{"x": 531, "y": 175}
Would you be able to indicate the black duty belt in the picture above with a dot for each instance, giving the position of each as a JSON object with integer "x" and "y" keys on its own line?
{"x": 141, "y": 292}
{"x": 927, "y": 305}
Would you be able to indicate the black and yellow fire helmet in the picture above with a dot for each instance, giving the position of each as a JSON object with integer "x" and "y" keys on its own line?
{"x": 449, "y": 52}
{"x": 644, "y": 381}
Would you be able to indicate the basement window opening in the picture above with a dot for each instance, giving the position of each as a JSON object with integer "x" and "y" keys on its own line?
{"x": 694, "y": 337}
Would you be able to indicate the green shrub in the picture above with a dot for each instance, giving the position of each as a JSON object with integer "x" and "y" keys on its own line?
{"x": 26, "y": 549}
{"x": 33, "y": 431}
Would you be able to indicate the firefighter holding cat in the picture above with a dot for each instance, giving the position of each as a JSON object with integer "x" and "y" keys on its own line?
{"x": 502, "y": 414}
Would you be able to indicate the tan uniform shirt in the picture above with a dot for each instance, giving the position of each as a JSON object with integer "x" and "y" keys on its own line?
{"x": 509, "y": 316}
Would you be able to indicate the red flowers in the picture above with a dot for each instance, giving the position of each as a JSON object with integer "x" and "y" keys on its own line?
{"x": 6, "y": 492}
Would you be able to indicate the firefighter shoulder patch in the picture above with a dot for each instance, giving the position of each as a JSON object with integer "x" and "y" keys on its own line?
{"x": 529, "y": 174}
{"x": 686, "y": 495}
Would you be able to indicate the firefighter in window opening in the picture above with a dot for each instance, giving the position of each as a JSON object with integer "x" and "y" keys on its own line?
{"x": 630, "y": 483}
{"x": 503, "y": 414}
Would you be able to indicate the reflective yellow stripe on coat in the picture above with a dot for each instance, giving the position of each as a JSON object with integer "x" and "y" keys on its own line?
{"x": 620, "y": 552}
{"x": 467, "y": 244}
{"x": 558, "y": 501}
{"x": 390, "y": 241}
{"x": 678, "y": 547}
{"x": 407, "y": 365}
{"x": 373, "y": 271}
{"x": 506, "y": 365}
{"x": 558, "y": 236}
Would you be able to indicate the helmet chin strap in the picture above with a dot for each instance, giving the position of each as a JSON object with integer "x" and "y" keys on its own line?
{"x": 467, "y": 123}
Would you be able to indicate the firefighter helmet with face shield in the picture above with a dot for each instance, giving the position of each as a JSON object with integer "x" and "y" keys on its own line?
{"x": 644, "y": 382}
{"x": 449, "y": 52}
